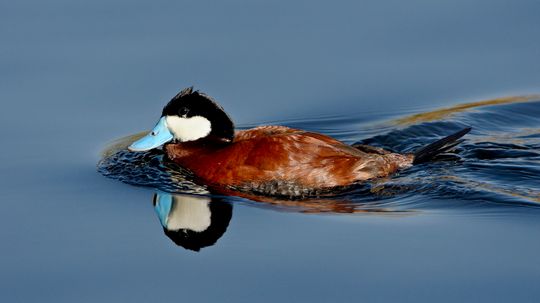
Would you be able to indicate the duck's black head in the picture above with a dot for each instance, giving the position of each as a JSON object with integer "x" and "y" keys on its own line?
{"x": 189, "y": 116}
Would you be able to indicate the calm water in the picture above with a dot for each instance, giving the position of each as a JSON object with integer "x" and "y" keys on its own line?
{"x": 77, "y": 76}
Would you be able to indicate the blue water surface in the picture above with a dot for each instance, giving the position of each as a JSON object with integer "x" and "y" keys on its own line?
{"x": 76, "y": 75}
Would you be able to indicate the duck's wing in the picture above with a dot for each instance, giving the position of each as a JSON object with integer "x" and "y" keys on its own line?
{"x": 371, "y": 149}
{"x": 318, "y": 160}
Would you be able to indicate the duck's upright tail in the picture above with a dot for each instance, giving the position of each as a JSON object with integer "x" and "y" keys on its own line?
{"x": 429, "y": 151}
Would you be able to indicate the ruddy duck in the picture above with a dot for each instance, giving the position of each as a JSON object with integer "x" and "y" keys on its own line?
{"x": 198, "y": 135}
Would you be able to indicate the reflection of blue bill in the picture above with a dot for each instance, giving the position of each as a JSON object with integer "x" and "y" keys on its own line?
{"x": 164, "y": 202}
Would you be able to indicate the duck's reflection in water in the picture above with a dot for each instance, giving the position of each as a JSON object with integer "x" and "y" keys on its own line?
{"x": 196, "y": 221}
{"x": 191, "y": 221}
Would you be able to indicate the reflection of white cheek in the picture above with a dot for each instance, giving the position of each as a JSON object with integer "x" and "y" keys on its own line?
{"x": 188, "y": 129}
{"x": 189, "y": 212}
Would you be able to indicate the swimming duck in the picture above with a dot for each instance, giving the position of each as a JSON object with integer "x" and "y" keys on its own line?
{"x": 197, "y": 134}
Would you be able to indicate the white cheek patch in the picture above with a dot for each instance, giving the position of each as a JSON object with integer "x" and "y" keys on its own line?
{"x": 189, "y": 212}
{"x": 188, "y": 129}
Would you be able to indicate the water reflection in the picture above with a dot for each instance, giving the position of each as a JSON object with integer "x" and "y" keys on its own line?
{"x": 198, "y": 221}
{"x": 192, "y": 221}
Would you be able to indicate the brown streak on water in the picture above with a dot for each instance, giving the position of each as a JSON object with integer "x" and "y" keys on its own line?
{"x": 446, "y": 112}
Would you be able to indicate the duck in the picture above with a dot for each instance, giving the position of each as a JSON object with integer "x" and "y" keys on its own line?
{"x": 196, "y": 133}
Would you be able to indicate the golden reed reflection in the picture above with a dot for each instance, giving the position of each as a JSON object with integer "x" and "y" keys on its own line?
{"x": 447, "y": 112}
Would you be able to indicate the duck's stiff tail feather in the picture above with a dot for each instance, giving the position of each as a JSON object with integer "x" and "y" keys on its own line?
{"x": 428, "y": 152}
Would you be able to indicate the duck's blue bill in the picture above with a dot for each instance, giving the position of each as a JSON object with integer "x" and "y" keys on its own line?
{"x": 157, "y": 137}
{"x": 163, "y": 207}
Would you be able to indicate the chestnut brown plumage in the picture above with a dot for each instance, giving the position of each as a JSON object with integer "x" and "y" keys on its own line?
{"x": 277, "y": 160}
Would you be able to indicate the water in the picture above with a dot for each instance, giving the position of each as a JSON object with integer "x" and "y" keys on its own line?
{"x": 76, "y": 76}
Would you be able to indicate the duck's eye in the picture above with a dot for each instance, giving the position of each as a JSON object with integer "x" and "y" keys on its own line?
{"x": 183, "y": 112}
{"x": 153, "y": 133}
